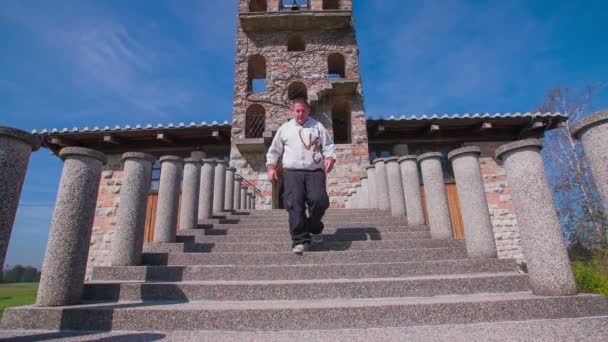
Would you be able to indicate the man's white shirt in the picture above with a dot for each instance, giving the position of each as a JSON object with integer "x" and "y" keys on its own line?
{"x": 304, "y": 147}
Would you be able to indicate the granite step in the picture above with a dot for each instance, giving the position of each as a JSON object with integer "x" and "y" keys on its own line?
{"x": 284, "y": 223}
{"x": 199, "y": 235}
{"x": 421, "y": 286}
{"x": 282, "y": 230}
{"x": 317, "y": 258}
{"x": 298, "y": 272}
{"x": 304, "y": 314}
{"x": 284, "y": 246}
{"x": 594, "y": 328}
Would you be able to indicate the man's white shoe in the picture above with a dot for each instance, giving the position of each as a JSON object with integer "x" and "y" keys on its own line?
{"x": 300, "y": 249}
{"x": 316, "y": 238}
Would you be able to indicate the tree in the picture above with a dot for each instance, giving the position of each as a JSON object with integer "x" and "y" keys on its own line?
{"x": 579, "y": 205}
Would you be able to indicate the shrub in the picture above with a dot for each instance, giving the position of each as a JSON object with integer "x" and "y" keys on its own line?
{"x": 592, "y": 276}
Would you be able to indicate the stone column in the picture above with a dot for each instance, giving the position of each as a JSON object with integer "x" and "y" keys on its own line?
{"x": 64, "y": 266}
{"x": 365, "y": 192}
{"x": 478, "y": 231}
{"x": 253, "y": 197}
{"x": 205, "y": 201}
{"x": 243, "y": 197}
{"x": 592, "y": 131}
{"x": 410, "y": 179}
{"x": 371, "y": 177}
{"x": 436, "y": 197}
{"x": 248, "y": 200}
{"x": 129, "y": 239}
{"x": 219, "y": 187}
{"x": 237, "y": 193}
{"x": 229, "y": 195}
{"x": 171, "y": 170}
{"x": 549, "y": 269}
{"x": 382, "y": 194}
{"x": 16, "y": 146}
{"x": 395, "y": 187}
{"x": 357, "y": 197}
{"x": 190, "y": 192}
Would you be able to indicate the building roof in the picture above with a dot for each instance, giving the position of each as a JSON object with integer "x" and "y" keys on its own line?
{"x": 456, "y": 116}
{"x": 118, "y": 128}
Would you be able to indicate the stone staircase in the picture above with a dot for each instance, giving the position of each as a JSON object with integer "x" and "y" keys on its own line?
{"x": 373, "y": 271}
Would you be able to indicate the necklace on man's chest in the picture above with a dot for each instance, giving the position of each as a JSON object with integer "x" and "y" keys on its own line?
{"x": 311, "y": 142}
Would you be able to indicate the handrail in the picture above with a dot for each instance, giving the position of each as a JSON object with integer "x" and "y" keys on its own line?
{"x": 255, "y": 189}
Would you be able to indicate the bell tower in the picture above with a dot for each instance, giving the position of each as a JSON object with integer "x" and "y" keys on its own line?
{"x": 288, "y": 49}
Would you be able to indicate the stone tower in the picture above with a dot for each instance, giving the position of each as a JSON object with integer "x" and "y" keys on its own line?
{"x": 288, "y": 49}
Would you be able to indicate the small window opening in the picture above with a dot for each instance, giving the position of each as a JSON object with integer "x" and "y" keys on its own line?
{"x": 255, "y": 121}
{"x": 256, "y": 71}
{"x": 258, "y": 5}
{"x": 331, "y": 4}
{"x": 336, "y": 66}
{"x": 296, "y": 43}
{"x": 297, "y": 90}
{"x": 341, "y": 123}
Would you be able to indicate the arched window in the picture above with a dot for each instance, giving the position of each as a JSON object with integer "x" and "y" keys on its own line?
{"x": 295, "y": 42}
{"x": 336, "y": 65}
{"x": 256, "y": 74}
{"x": 297, "y": 90}
{"x": 258, "y": 5}
{"x": 341, "y": 122}
{"x": 331, "y": 4}
{"x": 255, "y": 121}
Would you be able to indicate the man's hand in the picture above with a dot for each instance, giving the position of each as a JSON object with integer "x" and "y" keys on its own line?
{"x": 272, "y": 173}
{"x": 329, "y": 164}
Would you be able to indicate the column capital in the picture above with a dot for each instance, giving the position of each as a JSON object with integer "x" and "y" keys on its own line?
{"x": 138, "y": 155}
{"x": 429, "y": 155}
{"x": 517, "y": 145}
{"x": 68, "y": 152}
{"x": 33, "y": 140}
{"x": 192, "y": 161}
{"x": 378, "y": 160}
{"x": 370, "y": 167}
{"x": 209, "y": 161}
{"x": 171, "y": 158}
{"x": 588, "y": 122}
{"x": 464, "y": 150}
{"x": 390, "y": 159}
{"x": 408, "y": 157}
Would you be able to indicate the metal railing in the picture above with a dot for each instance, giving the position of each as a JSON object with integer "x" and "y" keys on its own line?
{"x": 254, "y": 125}
{"x": 248, "y": 183}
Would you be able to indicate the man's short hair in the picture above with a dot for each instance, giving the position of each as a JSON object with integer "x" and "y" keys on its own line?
{"x": 300, "y": 100}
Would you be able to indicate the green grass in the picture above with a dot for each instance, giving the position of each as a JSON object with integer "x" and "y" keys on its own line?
{"x": 17, "y": 294}
{"x": 592, "y": 276}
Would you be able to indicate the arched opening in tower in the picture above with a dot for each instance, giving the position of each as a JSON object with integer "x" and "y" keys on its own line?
{"x": 258, "y": 5}
{"x": 295, "y": 42}
{"x": 336, "y": 65}
{"x": 255, "y": 121}
{"x": 256, "y": 74}
{"x": 297, "y": 90}
{"x": 331, "y": 4}
{"x": 341, "y": 115}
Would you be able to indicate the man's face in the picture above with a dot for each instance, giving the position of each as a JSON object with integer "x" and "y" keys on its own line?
{"x": 300, "y": 113}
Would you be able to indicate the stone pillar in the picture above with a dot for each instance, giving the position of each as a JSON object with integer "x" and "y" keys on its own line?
{"x": 371, "y": 178}
{"x": 16, "y": 146}
{"x": 549, "y": 269}
{"x": 410, "y": 179}
{"x": 129, "y": 239}
{"x": 205, "y": 200}
{"x": 171, "y": 170}
{"x": 219, "y": 187}
{"x": 65, "y": 260}
{"x": 253, "y": 197}
{"x": 243, "y": 197}
{"x": 229, "y": 196}
{"x": 190, "y": 192}
{"x": 382, "y": 194}
{"x": 365, "y": 192}
{"x": 592, "y": 131}
{"x": 237, "y": 193}
{"x": 400, "y": 150}
{"x": 436, "y": 197}
{"x": 478, "y": 231}
{"x": 357, "y": 197}
{"x": 248, "y": 200}
{"x": 395, "y": 187}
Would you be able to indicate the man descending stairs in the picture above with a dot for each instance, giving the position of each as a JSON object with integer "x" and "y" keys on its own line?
{"x": 238, "y": 279}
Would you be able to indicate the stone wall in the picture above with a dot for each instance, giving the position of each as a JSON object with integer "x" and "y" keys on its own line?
{"x": 104, "y": 224}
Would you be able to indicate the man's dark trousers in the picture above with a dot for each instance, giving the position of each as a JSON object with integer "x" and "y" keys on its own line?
{"x": 305, "y": 188}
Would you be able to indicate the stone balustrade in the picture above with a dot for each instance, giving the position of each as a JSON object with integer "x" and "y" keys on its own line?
{"x": 219, "y": 187}
{"x": 395, "y": 187}
{"x": 371, "y": 177}
{"x": 171, "y": 170}
{"x": 382, "y": 191}
{"x": 205, "y": 204}
{"x": 436, "y": 199}
{"x": 190, "y": 193}
{"x": 411, "y": 190}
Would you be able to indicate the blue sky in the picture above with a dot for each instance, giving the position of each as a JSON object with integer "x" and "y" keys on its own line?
{"x": 87, "y": 63}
